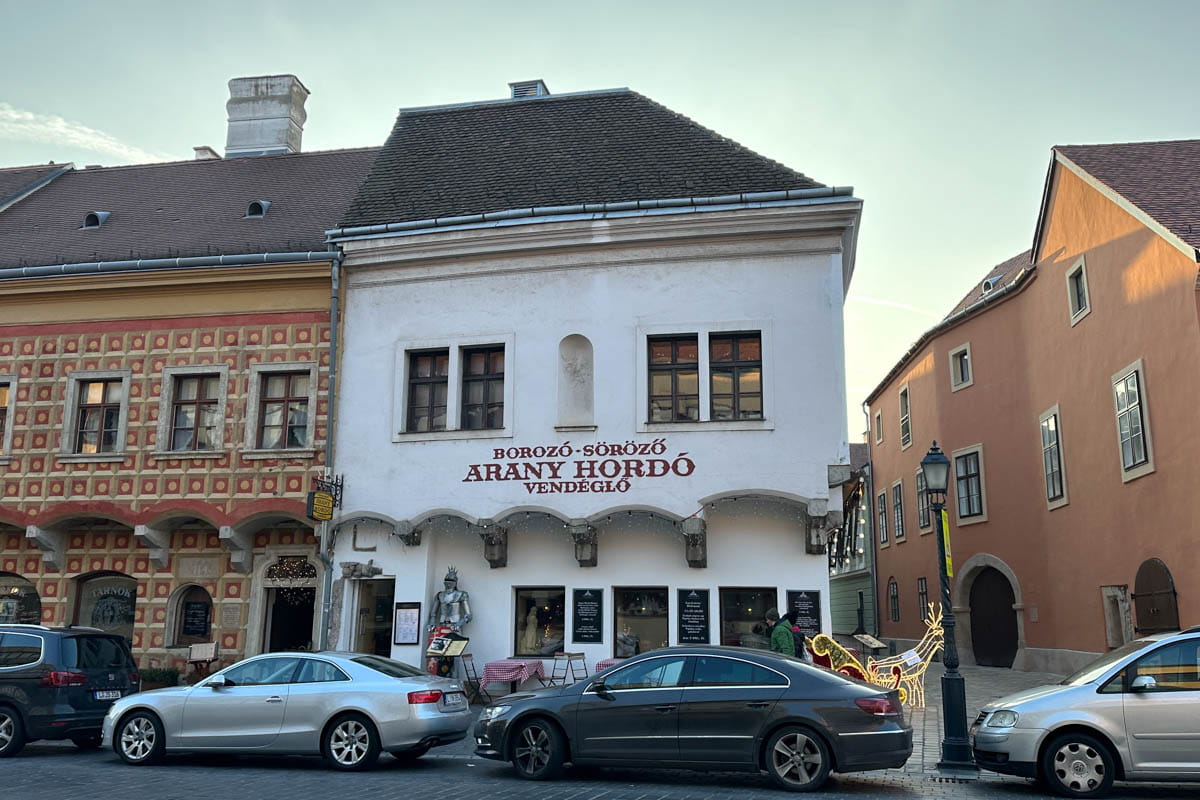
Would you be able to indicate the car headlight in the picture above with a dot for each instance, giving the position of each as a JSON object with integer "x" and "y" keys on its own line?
{"x": 491, "y": 712}
{"x": 1003, "y": 719}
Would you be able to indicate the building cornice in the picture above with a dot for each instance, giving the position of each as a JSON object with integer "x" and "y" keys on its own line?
{"x": 140, "y": 282}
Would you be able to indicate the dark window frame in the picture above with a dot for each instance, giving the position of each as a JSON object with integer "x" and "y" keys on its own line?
{"x": 1052, "y": 450}
{"x": 966, "y": 480}
{"x": 881, "y": 500}
{"x": 894, "y": 599}
{"x": 82, "y": 407}
{"x": 288, "y": 400}
{"x": 898, "y": 510}
{"x": 488, "y": 378}
{"x": 4, "y": 401}
{"x": 432, "y": 380}
{"x": 674, "y": 368}
{"x": 737, "y": 366}
{"x": 1132, "y": 409}
{"x": 924, "y": 518}
{"x": 517, "y": 590}
{"x": 922, "y": 596}
{"x": 196, "y": 404}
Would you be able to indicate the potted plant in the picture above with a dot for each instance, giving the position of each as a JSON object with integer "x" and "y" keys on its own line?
{"x": 159, "y": 678}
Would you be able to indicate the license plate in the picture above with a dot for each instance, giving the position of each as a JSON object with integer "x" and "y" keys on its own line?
{"x": 455, "y": 700}
{"x": 107, "y": 694}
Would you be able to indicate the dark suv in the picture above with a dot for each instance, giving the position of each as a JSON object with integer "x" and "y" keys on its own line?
{"x": 57, "y": 683}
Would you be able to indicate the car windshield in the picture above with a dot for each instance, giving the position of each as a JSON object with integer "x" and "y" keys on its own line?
{"x": 1101, "y": 665}
{"x": 393, "y": 669}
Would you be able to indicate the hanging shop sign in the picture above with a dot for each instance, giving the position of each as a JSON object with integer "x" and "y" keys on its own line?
{"x": 597, "y": 468}
{"x": 807, "y": 606}
{"x": 326, "y": 495}
{"x": 587, "y": 606}
{"x": 693, "y": 616}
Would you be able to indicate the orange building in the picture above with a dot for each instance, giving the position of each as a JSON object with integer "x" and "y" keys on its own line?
{"x": 1062, "y": 388}
{"x": 165, "y": 335}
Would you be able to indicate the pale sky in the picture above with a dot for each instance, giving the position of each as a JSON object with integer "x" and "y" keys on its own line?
{"x": 940, "y": 113}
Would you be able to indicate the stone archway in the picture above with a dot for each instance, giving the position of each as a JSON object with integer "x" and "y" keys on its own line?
{"x": 964, "y": 583}
{"x": 993, "y": 620}
{"x": 287, "y": 582}
{"x": 1154, "y": 599}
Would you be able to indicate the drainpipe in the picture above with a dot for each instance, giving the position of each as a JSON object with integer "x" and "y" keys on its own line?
{"x": 870, "y": 492}
{"x": 325, "y": 546}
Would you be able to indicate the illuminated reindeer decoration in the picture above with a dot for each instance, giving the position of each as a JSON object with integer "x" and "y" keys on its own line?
{"x": 905, "y": 672}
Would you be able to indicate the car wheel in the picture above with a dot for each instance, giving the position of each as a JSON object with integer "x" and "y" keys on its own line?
{"x": 138, "y": 739}
{"x": 410, "y": 755}
{"x": 798, "y": 759}
{"x": 88, "y": 741}
{"x": 12, "y": 733}
{"x": 1078, "y": 765}
{"x": 538, "y": 750}
{"x": 351, "y": 743}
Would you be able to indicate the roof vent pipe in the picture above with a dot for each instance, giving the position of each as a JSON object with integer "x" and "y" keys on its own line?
{"x": 534, "y": 88}
{"x": 266, "y": 115}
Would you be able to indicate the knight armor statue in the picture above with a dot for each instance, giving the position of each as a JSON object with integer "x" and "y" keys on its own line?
{"x": 451, "y": 606}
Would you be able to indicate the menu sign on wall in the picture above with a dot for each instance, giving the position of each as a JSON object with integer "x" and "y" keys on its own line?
{"x": 587, "y": 612}
{"x": 195, "y": 619}
{"x": 693, "y": 616}
{"x": 807, "y": 606}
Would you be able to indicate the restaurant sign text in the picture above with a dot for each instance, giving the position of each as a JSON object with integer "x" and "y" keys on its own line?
{"x": 597, "y": 468}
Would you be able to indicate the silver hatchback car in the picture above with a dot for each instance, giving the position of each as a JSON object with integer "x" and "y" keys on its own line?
{"x": 346, "y": 707}
{"x": 1133, "y": 714}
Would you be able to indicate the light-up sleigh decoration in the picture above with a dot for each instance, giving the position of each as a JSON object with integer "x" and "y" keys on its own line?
{"x": 905, "y": 671}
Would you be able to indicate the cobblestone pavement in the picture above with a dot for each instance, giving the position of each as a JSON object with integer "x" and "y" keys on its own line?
{"x": 53, "y": 771}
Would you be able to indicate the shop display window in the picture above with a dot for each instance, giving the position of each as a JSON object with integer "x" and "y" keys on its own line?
{"x": 374, "y": 629}
{"x": 744, "y": 616}
{"x": 641, "y": 615}
{"x": 541, "y": 621}
{"x": 106, "y": 602}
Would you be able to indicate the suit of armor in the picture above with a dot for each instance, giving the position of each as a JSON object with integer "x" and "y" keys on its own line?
{"x": 451, "y": 606}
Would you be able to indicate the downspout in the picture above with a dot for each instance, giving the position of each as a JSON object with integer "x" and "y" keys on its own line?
{"x": 325, "y": 543}
{"x": 870, "y": 498}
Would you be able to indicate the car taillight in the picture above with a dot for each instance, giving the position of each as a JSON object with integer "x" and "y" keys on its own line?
{"x": 879, "y": 706}
{"x": 427, "y": 696}
{"x": 134, "y": 678}
{"x": 59, "y": 679}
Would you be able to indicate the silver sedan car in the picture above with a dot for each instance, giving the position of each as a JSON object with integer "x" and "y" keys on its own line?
{"x": 1133, "y": 714}
{"x": 347, "y": 707}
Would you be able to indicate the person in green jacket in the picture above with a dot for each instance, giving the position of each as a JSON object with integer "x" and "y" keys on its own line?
{"x": 781, "y": 634}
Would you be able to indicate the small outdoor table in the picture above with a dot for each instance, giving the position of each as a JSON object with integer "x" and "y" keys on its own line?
{"x": 514, "y": 671}
{"x": 605, "y": 663}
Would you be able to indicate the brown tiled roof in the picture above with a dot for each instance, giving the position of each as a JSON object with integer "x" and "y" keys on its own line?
{"x": 1160, "y": 178}
{"x": 185, "y": 208}
{"x": 17, "y": 180}
{"x": 1000, "y": 275}
{"x": 610, "y": 146}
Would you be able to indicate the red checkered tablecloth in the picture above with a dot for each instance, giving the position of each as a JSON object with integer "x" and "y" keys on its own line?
{"x": 507, "y": 670}
{"x": 605, "y": 663}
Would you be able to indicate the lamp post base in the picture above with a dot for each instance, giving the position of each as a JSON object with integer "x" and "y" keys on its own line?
{"x": 956, "y": 748}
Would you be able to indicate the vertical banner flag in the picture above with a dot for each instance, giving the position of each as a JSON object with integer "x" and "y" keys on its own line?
{"x": 945, "y": 522}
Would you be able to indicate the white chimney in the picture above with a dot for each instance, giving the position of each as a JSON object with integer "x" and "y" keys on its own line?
{"x": 266, "y": 115}
{"x": 205, "y": 153}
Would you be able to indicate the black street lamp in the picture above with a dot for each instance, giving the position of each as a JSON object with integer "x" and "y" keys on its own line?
{"x": 956, "y": 749}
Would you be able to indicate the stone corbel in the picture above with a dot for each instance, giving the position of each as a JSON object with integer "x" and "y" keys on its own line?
{"x": 407, "y": 533}
{"x": 354, "y": 570}
{"x": 240, "y": 545}
{"x": 157, "y": 540}
{"x": 695, "y": 536}
{"x": 495, "y": 543}
{"x": 53, "y": 544}
{"x": 586, "y": 546}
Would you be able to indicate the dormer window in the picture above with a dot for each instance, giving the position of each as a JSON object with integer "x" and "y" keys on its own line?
{"x": 94, "y": 219}
{"x": 257, "y": 209}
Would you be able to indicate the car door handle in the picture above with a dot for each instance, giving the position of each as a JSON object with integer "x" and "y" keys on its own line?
{"x": 664, "y": 709}
{"x": 275, "y": 699}
{"x": 758, "y": 705}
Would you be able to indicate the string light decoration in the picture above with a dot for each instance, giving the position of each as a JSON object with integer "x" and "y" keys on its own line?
{"x": 295, "y": 579}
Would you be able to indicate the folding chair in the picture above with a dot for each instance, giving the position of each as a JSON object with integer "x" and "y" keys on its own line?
{"x": 558, "y": 672}
{"x": 578, "y": 665}
{"x": 473, "y": 685}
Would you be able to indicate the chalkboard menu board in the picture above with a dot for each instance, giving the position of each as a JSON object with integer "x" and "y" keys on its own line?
{"x": 807, "y": 606}
{"x": 195, "y": 619}
{"x": 693, "y": 616}
{"x": 587, "y": 615}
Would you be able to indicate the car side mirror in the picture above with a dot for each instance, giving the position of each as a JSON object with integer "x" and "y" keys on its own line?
{"x": 1144, "y": 683}
{"x": 217, "y": 682}
{"x": 599, "y": 688}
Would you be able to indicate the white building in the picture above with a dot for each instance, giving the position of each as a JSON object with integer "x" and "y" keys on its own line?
{"x": 591, "y": 351}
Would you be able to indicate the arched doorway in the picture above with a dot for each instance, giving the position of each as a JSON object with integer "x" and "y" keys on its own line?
{"x": 19, "y": 601}
{"x": 291, "y": 585}
{"x": 106, "y": 601}
{"x": 1155, "y": 604}
{"x": 993, "y": 620}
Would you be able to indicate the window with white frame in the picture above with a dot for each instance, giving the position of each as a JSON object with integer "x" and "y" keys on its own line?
{"x": 1133, "y": 424}
{"x": 281, "y": 407}
{"x": 878, "y": 427}
{"x": 905, "y": 425}
{"x": 8, "y": 396}
{"x": 923, "y": 520}
{"x": 969, "y": 484}
{"x": 898, "y": 509}
{"x": 1052, "y": 459}
{"x": 881, "y": 512}
{"x": 1078, "y": 301}
{"x": 96, "y": 415}
{"x": 191, "y": 411}
{"x": 961, "y": 375}
{"x": 453, "y": 388}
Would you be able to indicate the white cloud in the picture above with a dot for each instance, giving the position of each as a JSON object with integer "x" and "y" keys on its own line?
{"x": 878, "y": 301}
{"x": 51, "y": 129}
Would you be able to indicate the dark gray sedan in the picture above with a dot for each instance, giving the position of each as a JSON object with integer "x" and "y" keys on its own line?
{"x": 717, "y": 708}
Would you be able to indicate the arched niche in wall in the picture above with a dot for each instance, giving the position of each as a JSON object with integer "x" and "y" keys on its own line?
{"x": 189, "y": 616}
{"x": 576, "y": 385}
{"x": 106, "y": 600}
